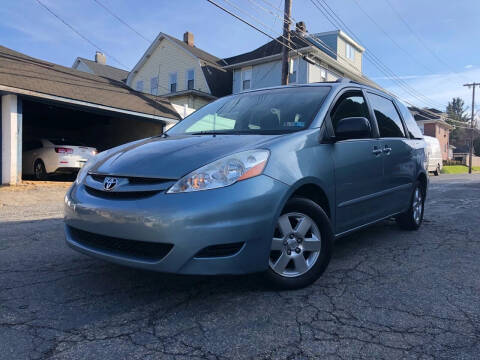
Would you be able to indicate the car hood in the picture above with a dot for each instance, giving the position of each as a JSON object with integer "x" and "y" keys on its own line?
{"x": 174, "y": 156}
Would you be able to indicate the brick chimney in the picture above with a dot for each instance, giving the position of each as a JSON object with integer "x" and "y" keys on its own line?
{"x": 188, "y": 38}
{"x": 301, "y": 27}
{"x": 100, "y": 58}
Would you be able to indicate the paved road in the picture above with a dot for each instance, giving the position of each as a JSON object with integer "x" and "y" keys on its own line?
{"x": 387, "y": 294}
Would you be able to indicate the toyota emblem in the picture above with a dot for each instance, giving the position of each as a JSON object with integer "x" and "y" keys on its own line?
{"x": 109, "y": 183}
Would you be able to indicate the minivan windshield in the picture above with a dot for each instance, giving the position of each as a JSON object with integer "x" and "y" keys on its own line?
{"x": 274, "y": 111}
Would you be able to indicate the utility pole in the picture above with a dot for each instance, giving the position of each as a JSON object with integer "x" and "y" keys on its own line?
{"x": 471, "y": 125}
{"x": 286, "y": 38}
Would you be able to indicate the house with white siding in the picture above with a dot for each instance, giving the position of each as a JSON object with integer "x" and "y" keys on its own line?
{"x": 179, "y": 71}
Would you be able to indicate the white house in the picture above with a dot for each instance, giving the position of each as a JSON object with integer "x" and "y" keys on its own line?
{"x": 188, "y": 76}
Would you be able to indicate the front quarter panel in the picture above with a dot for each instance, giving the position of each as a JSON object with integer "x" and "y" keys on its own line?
{"x": 299, "y": 159}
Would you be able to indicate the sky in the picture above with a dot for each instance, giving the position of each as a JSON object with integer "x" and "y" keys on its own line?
{"x": 431, "y": 45}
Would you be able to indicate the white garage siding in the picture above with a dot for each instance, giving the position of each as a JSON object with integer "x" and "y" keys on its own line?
{"x": 11, "y": 140}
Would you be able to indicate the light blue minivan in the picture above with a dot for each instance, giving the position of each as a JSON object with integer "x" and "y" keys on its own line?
{"x": 262, "y": 181}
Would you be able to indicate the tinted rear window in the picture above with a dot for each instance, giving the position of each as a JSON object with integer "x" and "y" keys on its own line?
{"x": 413, "y": 129}
{"x": 389, "y": 122}
{"x": 64, "y": 141}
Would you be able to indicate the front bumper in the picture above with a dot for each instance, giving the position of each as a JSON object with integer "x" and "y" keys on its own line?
{"x": 241, "y": 213}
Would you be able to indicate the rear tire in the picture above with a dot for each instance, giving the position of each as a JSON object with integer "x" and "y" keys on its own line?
{"x": 39, "y": 170}
{"x": 301, "y": 246}
{"x": 412, "y": 219}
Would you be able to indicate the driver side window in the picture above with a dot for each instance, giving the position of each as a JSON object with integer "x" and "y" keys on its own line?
{"x": 350, "y": 104}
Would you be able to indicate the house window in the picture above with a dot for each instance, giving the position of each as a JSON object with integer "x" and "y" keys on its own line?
{"x": 139, "y": 86}
{"x": 292, "y": 77}
{"x": 190, "y": 79}
{"x": 323, "y": 74}
{"x": 246, "y": 78}
{"x": 154, "y": 85}
{"x": 349, "y": 52}
{"x": 173, "y": 82}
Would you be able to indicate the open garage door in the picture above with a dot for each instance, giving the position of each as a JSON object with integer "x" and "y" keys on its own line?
{"x": 73, "y": 130}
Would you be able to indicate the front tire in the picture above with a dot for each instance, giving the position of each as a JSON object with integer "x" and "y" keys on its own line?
{"x": 413, "y": 217}
{"x": 302, "y": 245}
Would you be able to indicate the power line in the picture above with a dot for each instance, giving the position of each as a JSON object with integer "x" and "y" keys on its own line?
{"x": 420, "y": 39}
{"x": 335, "y": 20}
{"x": 122, "y": 21}
{"x": 79, "y": 34}
{"x": 406, "y": 52}
{"x": 236, "y": 16}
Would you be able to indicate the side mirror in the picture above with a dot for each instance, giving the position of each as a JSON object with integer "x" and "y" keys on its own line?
{"x": 353, "y": 128}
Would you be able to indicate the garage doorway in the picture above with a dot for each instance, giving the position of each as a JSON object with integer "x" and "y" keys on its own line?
{"x": 61, "y": 124}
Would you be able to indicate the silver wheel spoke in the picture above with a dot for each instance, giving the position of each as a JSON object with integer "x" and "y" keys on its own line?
{"x": 303, "y": 227}
{"x": 284, "y": 225}
{"x": 312, "y": 244}
{"x": 277, "y": 244}
{"x": 300, "y": 264}
{"x": 281, "y": 263}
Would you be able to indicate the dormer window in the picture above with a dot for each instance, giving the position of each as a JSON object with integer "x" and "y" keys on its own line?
{"x": 349, "y": 52}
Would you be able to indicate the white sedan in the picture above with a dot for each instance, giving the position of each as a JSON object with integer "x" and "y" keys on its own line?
{"x": 43, "y": 157}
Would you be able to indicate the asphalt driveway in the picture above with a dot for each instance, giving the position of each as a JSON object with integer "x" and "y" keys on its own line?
{"x": 386, "y": 294}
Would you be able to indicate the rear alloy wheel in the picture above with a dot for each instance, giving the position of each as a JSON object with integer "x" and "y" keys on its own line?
{"x": 301, "y": 245}
{"x": 413, "y": 217}
{"x": 39, "y": 170}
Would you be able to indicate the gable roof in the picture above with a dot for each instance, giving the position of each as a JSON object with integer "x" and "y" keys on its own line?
{"x": 21, "y": 72}
{"x": 271, "y": 48}
{"x": 107, "y": 71}
{"x": 218, "y": 79}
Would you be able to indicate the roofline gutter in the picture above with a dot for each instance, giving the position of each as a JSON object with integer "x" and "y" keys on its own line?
{"x": 84, "y": 103}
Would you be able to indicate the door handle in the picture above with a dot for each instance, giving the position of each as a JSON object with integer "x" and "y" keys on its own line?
{"x": 387, "y": 150}
{"x": 376, "y": 151}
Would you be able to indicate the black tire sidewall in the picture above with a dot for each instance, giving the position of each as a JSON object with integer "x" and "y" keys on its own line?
{"x": 316, "y": 213}
{"x": 43, "y": 176}
{"x": 406, "y": 220}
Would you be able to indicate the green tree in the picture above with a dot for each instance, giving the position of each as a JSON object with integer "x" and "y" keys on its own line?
{"x": 456, "y": 111}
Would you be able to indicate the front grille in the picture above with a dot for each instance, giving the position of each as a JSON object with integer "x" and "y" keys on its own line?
{"x": 120, "y": 194}
{"x": 220, "y": 250}
{"x": 133, "y": 180}
{"x": 141, "y": 250}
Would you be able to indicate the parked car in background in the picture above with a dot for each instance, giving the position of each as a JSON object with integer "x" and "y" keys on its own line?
{"x": 261, "y": 181}
{"x": 48, "y": 156}
{"x": 434, "y": 153}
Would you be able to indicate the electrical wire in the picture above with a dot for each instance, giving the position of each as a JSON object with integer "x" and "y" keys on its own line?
{"x": 122, "y": 21}
{"x": 79, "y": 33}
{"x": 421, "y": 41}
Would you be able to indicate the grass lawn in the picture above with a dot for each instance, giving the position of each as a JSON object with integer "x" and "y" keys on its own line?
{"x": 458, "y": 169}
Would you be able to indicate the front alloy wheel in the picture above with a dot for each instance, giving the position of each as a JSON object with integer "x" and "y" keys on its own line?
{"x": 301, "y": 245}
{"x": 295, "y": 248}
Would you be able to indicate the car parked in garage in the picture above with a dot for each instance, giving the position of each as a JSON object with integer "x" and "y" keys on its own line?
{"x": 42, "y": 157}
{"x": 261, "y": 181}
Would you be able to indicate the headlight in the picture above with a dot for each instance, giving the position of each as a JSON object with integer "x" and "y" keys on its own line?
{"x": 223, "y": 172}
{"x": 82, "y": 174}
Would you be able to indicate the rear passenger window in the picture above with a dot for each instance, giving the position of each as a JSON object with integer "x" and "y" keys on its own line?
{"x": 413, "y": 129}
{"x": 350, "y": 104}
{"x": 389, "y": 122}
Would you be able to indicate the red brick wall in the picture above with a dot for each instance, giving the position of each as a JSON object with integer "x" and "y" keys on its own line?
{"x": 442, "y": 134}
